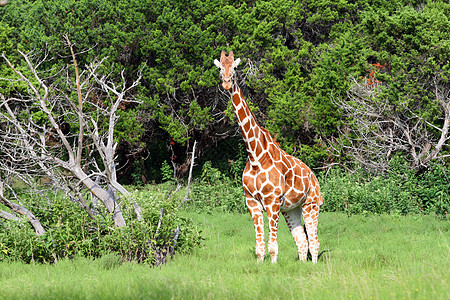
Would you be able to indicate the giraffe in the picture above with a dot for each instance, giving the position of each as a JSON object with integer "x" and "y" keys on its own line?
{"x": 273, "y": 180}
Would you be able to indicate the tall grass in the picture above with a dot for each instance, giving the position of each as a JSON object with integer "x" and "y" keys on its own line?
{"x": 371, "y": 257}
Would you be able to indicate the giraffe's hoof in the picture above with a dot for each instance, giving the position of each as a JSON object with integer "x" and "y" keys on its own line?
{"x": 302, "y": 258}
{"x": 274, "y": 257}
{"x": 273, "y": 251}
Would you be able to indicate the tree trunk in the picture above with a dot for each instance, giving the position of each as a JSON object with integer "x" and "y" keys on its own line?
{"x": 107, "y": 198}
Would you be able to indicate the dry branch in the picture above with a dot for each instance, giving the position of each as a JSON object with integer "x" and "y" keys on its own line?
{"x": 19, "y": 209}
{"x": 188, "y": 187}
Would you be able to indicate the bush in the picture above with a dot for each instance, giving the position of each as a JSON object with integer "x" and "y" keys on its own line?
{"x": 223, "y": 196}
{"x": 71, "y": 233}
{"x": 216, "y": 192}
{"x": 110, "y": 261}
{"x": 401, "y": 191}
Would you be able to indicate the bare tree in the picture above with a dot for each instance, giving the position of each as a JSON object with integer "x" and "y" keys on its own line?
{"x": 380, "y": 127}
{"x": 62, "y": 127}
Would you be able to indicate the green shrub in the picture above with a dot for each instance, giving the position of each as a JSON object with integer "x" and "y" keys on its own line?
{"x": 221, "y": 196}
{"x": 215, "y": 191}
{"x": 401, "y": 191}
{"x": 110, "y": 261}
{"x": 167, "y": 172}
{"x": 71, "y": 233}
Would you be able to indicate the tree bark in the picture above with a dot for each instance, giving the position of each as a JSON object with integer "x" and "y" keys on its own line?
{"x": 105, "y": 197}
{"x": 7, "y": 216}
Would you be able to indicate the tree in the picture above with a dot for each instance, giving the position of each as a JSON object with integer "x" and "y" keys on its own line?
{"x": 401, "y": 103}
{"x": 60, "y": 125}
{"x": 381, "y": 128}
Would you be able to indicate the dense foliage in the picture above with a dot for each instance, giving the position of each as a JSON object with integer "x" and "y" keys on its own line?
{"x": 297, "y": 55}
{"x": 401, "y": 192}
{"x": 71, "y": 233}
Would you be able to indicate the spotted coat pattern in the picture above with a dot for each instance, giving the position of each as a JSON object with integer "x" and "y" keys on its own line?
{"x": 273, "y": 180}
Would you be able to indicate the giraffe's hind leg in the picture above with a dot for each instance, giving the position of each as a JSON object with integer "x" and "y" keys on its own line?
{"x": 311, "y": 219}
{"x": 294, "y": 221}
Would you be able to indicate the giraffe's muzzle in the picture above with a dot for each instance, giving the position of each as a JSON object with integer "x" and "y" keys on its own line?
{"x": 227, "y": 84}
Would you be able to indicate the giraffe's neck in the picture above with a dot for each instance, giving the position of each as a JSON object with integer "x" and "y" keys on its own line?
{"x": 254, "y": 135}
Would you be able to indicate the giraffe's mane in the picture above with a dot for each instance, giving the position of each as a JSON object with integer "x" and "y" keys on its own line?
{"x": 275, "y": 142}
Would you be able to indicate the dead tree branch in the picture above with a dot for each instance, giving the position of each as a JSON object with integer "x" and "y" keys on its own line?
{"x": 381, "y": 127}
{"x": 188, "y": 187}
{"x": 19, "y": 209}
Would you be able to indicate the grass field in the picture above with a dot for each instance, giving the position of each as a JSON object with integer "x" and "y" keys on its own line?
{"x": 372, "y": 257}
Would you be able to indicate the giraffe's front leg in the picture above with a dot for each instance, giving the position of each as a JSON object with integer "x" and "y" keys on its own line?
{"x": 273, "y": 215}
{"x": 257, "y": 217}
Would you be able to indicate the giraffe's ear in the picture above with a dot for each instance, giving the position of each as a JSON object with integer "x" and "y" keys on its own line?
{"x": 236, "y": 62}
{"x": 217, "y": 63}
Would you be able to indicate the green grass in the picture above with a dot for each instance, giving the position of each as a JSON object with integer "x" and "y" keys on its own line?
{"x": 372, "y": 257}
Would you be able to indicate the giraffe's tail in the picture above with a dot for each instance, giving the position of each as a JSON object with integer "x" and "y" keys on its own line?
{"x": 309, "y": 257}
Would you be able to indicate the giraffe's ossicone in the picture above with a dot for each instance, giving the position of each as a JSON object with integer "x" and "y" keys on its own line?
{"x": 273, "y": 180}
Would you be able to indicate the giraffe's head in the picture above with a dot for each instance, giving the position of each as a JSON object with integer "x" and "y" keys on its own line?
{"x": 227, "y": 64}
